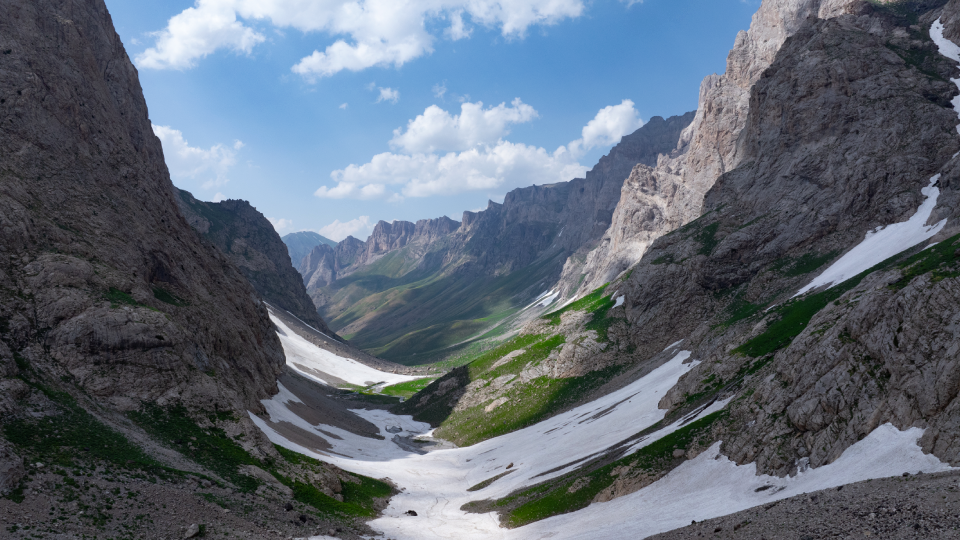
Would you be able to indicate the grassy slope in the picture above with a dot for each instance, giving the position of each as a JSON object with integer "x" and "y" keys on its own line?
{"x": 74, "y": 440}
{"x": 527, "y": 402}
{"x": 413, "y": 317}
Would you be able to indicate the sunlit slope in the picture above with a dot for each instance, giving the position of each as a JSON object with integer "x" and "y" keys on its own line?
{"x": 414, "y": 316}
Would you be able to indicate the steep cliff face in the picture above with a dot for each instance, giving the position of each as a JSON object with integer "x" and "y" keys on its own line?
{"x": 103, "y": 281}
{"x": 457, "y": 279}
{"x": 656, "y": 202}
{"x": 248, "y": 239}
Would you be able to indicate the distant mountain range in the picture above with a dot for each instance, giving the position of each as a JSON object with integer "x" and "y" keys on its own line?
{"x": 299, "y": 244}
{"x": 414, "y": 292}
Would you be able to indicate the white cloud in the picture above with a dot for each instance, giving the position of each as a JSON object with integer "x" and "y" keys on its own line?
{"x": 280, "y": 224}
{"x": 209, "y": 166}
{"x": 375, "y": 32}
{"x": 195, "y": 33}
{"x": 439, "y": 90}
{"x": 504, "y": 165}
{"x": 219, "y": 197}
{"x": 457, "y": 29}
{"x": 389, "y": 94}
{"x": 338, "y": 230}
{"x": 609, "y": 125}
{"x": 438, "y": 130}
{"x": 477, "y": 157}
{"x": 344, "y": 106}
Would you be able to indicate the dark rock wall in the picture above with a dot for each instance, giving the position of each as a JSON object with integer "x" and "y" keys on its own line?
{"x": 100, "y": 276}
{"x": 253, "y": 245}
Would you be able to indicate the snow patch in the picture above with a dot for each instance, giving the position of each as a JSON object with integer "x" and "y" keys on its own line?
{"x": 883, "y": 243}
{"x": 311, "y": 361}
{"x": 619, "y": 301}
{"x": 711, "y": 485}
{"x": 549, "y": 299}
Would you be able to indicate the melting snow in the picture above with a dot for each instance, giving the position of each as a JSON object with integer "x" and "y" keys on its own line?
{"x": 549, "y": 299}
{"x": 708, "y": 486}
{"x": 711, "y": 486}
{"x": 302, "y": 354}
{"x": 883, "y": 243}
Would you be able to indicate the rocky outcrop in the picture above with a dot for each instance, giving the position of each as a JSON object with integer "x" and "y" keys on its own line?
{"x": 657, "y": 202}
{"x": 869, "y": 86}
{"x": 248, "y": 239}
{"x": 103, "y": 281}
{"x": 11, "y": 469}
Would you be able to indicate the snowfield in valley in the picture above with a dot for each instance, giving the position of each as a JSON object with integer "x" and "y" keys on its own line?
{"x": 435, "y": 484}
{"x": 312, "y": 362}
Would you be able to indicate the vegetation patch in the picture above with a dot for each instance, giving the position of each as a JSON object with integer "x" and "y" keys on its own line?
{"x": 210, "y": 447}
{"x": 118, "y": 298}
{"x": 359, "y": 497}
{"x": 168, "y": 297}
{"x": 573, "y": 493}
{"x": 708, "y": 238}
{"x": 526, "y": 404}
{"x": 940, "y": 261}
{"x": 596, "y": 302}
{"x": 795, "y": 315}
{"x": 61, "y": 439}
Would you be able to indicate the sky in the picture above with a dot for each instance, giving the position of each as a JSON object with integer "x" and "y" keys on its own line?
{"x": 330, "y": 115}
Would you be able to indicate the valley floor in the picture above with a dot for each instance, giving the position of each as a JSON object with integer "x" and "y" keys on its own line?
{"x": 436, "y": 484}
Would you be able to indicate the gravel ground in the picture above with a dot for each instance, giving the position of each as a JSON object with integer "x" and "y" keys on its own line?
{"x": 114, "y": 505}
{"x": 922, "y": 506}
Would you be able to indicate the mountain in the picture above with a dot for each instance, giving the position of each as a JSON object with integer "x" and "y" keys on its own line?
{"x": 301, "y": 243}
{"x": 810, "y": 282}
{"x": 418, "y": 291}
{"x": 133, "y": 352}
{"x": 248, "y": 239}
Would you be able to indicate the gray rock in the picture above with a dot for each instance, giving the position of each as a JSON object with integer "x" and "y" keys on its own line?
{"x": 102, "y": 268}
{"x": 12, "y": 470}
{"x": 192, "y": 531}
{"x": 248, "y": 239}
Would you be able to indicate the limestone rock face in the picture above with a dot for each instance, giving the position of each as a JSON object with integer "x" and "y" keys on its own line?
{"x": 248, "y": 239}
{"x": 841, "y": 136}
{"x": 707, "y": 148}
{"x": 101, "y": 276}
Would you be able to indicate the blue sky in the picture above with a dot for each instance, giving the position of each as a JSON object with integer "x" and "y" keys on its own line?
{"x": 329, "y": 115}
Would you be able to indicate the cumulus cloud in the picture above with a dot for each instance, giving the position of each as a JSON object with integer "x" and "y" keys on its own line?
{"x": 437, "y": 130}
{"x": 441, "y": 154}
{"x": 338, "y": 230}
{"x": 209, "y": 166}
{"x": 439, "y": 90}
{"x": 195, "y": 33}
{"x": 388, "y": 94}
{"x": 458, "y": 29}
{"x": 504, "y": 165}
{"x": 281, "y": 224}
{"x": 375, "y": 32}
{"x": 219, "y": 197}
{"x": 609, "y": 125}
